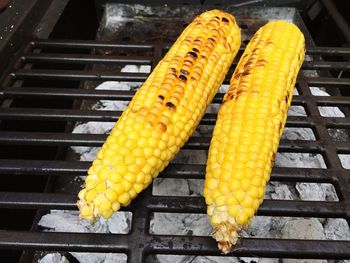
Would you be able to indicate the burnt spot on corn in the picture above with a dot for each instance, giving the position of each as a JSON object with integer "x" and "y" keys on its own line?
{"x": 195, "y": 50}
{"x": 193, "y": 54}
{"x": 170, "y": 105}
{"x": 230, "y": 95}
{"x": 249, "y": 64}
{"x": 246, "y": 73}
{"x": 173, "y": 70}
{"x": 280, "y": 127}
{"x": 162, "y": 126}
{"x": 225, "y": 20}
{"x": 240, "y": 92}
{"x": 183, "y": 78}
{"x": 184, "y": 72}
{"x": 237, "y": 75}
{"x": 261, "y": 63}
{"x": 287, "y": 98}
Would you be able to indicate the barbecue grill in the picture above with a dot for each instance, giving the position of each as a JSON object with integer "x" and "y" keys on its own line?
{"x": 53, "y": 62}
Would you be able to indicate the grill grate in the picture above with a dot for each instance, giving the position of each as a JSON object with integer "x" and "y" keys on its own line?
{"x": 27, "y": 80}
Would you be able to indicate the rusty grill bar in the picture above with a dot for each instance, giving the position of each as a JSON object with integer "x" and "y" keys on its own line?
{"x": 139, "y": 242}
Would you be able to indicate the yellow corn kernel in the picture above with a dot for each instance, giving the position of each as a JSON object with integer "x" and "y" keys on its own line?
{"x": 138, "y": 187}
{"x": 111, "y": 195}
{"x": 105, "y": 206}
{"x": 163, "y": 113}
{"x": 86, "y": 211}
{"x": 124, "y": 198}
{"x": 248, "y": 128}
{"x": 115, "y": 207}
{"x": 82, "y": 193}
{"x": 106, "y": 214}
{"x": 90, "y": 195}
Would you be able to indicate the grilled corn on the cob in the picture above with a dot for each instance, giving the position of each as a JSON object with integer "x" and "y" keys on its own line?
{"x": 249, "y": 126}
{"x": 162, "y": 115}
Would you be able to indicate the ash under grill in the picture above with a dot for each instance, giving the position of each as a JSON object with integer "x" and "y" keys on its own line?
{"x": 50, "y": 88}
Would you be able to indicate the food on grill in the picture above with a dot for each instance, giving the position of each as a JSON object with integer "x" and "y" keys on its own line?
{"x": 250, "y": 123}
{"x": 162, "y": 115}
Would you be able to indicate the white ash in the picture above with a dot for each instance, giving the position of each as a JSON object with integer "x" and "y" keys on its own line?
{"x": 193, "y": 259}
{"x": 281, "y": 191}
{"x": 136, "y": 69}
{"x": 54, "y": 258}
{"x": 182, "y": 224}
{"x": 310, "y": 228}
{"x": 198, "y": 224}
{"x": 337, "y": 229}
{"x": 113, "y": 17}
{"x": 316, "y": 192}
{"x": 345, "y": 160}
{"x": 68, "y": 221}
{"x": 100, "y": 257}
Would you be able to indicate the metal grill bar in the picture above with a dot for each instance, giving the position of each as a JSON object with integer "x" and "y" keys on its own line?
{"x": 76, "y": 75}
{"x": 95, "y": 59}
{"x": 82, "y": 58}
{"x": 123, "y": 95}
{"x": 177, "y": 204}
{"x": 82, "y": 44}
{"x": 74, "y": 139}
{"x": 189, "y": 171}
{"x": 86, "y": 75}
{"x": 93, "y": 115}
{"x": 160, "y": 244}
{"x": 328, "y": 82}
{"x": 60, "y": 43}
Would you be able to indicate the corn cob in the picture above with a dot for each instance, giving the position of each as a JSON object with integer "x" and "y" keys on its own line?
{"x": 248, "y": 129}
{"x": 162, "y": 115}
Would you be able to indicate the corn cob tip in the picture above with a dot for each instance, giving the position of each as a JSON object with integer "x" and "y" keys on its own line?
{"x": 86, "y": 211}
{"x": 226, "y": 235}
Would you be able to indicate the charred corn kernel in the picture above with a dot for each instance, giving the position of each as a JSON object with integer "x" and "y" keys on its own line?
{"x": 164, "y": 112}
{"x": 250, "y": 123}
